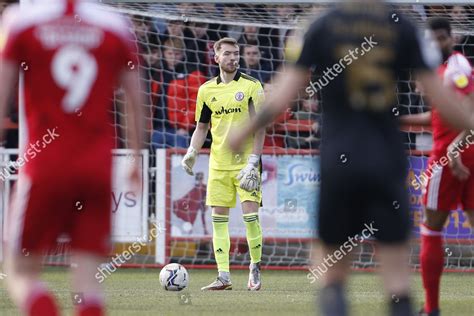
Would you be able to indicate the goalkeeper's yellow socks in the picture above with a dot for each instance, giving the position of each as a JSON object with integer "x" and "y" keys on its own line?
{"x": 221, "y": 241}
{"x": 254, "y": 236}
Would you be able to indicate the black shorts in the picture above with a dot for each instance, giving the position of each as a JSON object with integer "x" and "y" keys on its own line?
{"x": 372, "y": 201}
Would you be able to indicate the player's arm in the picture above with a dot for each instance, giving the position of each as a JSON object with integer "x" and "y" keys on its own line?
{"x": 456, "y": 111}
{"x": 461, "y": 140}
{"x": 8, "y": 78}
{"x": 199, "y": 136}
{"x": 458, "y": 169}
{"x": 423, "y": 56}
{"x": 134, "y": 101}
{"x": 197, "y": 140}
{"x": 203, "y": 119}
{"x": 259, "y": 140}
{"x": 130, "y": 82}
{"x": 416, "y": 119}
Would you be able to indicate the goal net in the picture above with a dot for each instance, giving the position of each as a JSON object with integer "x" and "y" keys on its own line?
{"x": 175, "y": 41}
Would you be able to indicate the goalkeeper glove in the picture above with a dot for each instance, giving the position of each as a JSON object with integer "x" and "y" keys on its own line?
{"x": 249, "y": 176}
{"x": 188, "y": 160}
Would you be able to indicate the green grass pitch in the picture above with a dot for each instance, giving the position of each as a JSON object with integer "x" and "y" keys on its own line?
{"x": 137, "y": 292}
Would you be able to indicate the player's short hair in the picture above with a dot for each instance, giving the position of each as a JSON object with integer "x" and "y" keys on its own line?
{"x": 174, "y": 43}
{"x": 440, "y": 23}
{"x": 225, "y": 40}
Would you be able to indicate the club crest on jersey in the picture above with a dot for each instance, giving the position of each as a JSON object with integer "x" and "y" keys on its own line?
{"x": 239, "y": 96}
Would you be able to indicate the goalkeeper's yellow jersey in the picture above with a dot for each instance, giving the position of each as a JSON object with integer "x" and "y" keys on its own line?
{"x": 228, "y": 107}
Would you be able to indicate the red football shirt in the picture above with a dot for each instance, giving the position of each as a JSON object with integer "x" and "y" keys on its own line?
{"x": 457, "y": 73}
{"x": 72, "y": 54}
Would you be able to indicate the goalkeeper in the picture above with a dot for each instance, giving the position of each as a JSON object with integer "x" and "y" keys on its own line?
{"x": 224, "y": 103}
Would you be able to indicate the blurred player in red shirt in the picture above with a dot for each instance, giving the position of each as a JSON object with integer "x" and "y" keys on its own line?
{"x": 72, "y": 55}
{"x": 450, "y": 172}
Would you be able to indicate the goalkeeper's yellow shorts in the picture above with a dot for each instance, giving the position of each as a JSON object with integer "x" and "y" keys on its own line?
{"x": 222, "y": 187}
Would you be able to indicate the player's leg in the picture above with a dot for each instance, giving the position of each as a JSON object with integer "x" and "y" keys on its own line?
{"x": 25, "y": 286}
{"x": 87, "y": 294}
{"x": 221, "y": 240}
{"x": 432, "y": 257}
{"x": 390, "y": 224}
{"x": 220, "y": 196}
{"x": 221, "y": 246}
{"x": 443, "y": 193}
{"x": 395, "y": 272}
{"x": 251, "y": 202}
{"x": 334, "y": 274}
{"x": 339, "y": 223}
{"x": 340, "y": 220}
{"x": 90, "y": 242}
{"x": 32, "y": 227}
{"x": 254, "y": 241}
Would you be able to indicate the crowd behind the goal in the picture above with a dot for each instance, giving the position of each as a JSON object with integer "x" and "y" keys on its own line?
{"x": 177, "y": 57}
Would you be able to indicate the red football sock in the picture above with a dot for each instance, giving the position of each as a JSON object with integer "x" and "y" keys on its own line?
{"x": 91, "y": 311}
{"x": 92, "y": 306}
{"x": 432, "y": 260}
{"x": 40, "y": 302}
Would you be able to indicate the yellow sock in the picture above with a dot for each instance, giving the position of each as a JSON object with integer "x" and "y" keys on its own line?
{"x": 221, "y": 241}
{"x": 254, "y": 236}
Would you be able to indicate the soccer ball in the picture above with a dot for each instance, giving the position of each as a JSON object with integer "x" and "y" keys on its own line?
{"x": 174, "y": 277}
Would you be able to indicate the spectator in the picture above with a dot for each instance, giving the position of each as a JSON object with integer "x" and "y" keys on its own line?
{"x": 216, "y": 30}
{"x": 147, "y": 40}
{"x": 311, "y": 106}
{"x": 276, "y": 132}
{"x": 285, "y": 17}
{"x": 147, "y": 44}
{"x": 230, "y": 12}
{"x": 464, "y": 40}
{"x": 252, "y": 36}
{"x": 150, "y": 54}
{"x": 11, "y": 120}
{"x": 176, "y": 91}
{"x": 198, "y": 47}
{"x": 174, "y": 29}
{"x": 254, "y": 66}
{"x": 307, "y": 133}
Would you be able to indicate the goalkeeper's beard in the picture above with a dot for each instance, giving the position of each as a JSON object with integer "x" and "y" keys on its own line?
{"x": 231, "y": 69}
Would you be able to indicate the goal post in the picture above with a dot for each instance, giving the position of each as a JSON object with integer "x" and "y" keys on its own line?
{"x": 263, "y": 28}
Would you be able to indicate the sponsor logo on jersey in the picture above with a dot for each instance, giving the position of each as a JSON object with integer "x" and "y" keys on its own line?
{"x": 228, "y": 111}
{"x": 220, "y": 250}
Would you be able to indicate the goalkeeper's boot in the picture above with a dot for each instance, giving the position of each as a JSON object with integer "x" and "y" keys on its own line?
{"x": 218, "y": 285}
{"x": 255, "y": 280}
{"x": 436, "y": 312}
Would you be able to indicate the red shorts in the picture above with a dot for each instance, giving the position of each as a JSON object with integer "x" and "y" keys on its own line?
{"x": 44, "y": 210}
{"x": 446, "y": 193}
